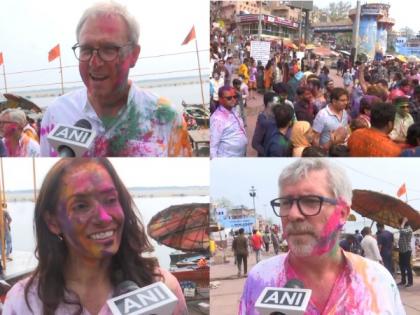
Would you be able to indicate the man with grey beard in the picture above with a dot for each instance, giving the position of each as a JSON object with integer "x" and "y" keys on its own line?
{"x": 313, "y": 204}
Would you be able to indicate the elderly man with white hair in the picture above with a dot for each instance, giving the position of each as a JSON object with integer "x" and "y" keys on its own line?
{"x": 16, "y": 142}
{"x": 313, "y": 204}
{"x": 127, "y": 121}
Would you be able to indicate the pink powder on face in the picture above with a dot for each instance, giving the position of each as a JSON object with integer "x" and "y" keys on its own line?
{"x": 122, "y": 70}
{"x": 328, "y": 239}
{"x": 109, "y": 23}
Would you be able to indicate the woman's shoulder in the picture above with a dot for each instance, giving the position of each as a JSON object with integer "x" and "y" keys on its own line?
{"x": 172, "y": 283}
{"x": 169, "y": 279}
{"x": 15, "y": 302}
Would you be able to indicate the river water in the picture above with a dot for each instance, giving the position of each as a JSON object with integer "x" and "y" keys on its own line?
{"x": 186, "y": 89}
{"x": 23, "y": 233}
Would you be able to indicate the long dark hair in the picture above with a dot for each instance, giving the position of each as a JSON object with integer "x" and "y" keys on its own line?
{"x": 127, "y": 264}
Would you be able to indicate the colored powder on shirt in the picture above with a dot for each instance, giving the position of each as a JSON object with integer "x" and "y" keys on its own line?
{"x": 128, "y": 130}
{"x": 164, "y": 112}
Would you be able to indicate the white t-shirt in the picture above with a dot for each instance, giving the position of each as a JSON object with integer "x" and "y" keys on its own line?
{"x": 371, "y": 249}
{"x": 147, "y": 125}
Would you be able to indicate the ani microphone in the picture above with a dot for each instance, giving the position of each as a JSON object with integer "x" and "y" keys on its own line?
{"x": 293, "y": 299}
{"x": 154, "y": 299}
{"x": 72, "y": 141}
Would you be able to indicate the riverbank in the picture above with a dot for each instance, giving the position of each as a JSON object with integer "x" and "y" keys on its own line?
{"x": 136, "y": 192}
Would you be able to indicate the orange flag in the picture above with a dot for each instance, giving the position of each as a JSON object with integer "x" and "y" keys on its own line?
{"x": 54, "y": 53}
{"x": 402, "y": 190}
{"x": 190, "y": 36}
{"x": 1, "y": 58}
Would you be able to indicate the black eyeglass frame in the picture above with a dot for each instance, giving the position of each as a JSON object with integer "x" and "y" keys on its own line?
{"x": 274, "y": 203}
{"x": 98, "y": 51}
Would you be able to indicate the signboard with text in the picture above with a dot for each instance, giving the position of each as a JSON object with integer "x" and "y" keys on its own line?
{"x": 245, "y": 223}
{"x": 260, "y": 51}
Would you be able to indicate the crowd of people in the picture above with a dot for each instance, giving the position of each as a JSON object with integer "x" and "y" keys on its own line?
{"x": 380, "y": 248}
{"x": 258, "y": 241}
{"x": 375, "y": 112}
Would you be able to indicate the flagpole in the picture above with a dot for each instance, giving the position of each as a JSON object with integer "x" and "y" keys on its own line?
{"x": 4, "y": 76}
{"x": 199, "y": 72}
{"x": 61, "y": 72}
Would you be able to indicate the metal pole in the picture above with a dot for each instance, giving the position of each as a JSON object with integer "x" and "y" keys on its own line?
{"x": 199, "y": 72}
{"x": 4, "y": 76}
{"x": 306, "y": 26}
{"x": 356, "y": 31}
{"x": 300, "y": 23}
{"x": 61, "y": 72}
{"x": 260, "y": 23}
{"x": 253, "y": 193}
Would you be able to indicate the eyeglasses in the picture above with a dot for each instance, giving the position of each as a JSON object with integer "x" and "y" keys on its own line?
{"x": 106, "y": 53}
{"x": 309, "y": 205}
{"x": 229, "y": 98}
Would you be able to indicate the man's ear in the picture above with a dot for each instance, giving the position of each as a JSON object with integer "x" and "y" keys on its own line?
{"x": 52, "y": 224}
{"x": 345, "y": 212}
{"x": 135, "y": 53}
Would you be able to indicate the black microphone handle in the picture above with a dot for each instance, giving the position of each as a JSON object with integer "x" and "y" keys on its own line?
{"x": 65, "y": 151}
{"x": 83, "y": 123}
{"x": 277, "y": 313}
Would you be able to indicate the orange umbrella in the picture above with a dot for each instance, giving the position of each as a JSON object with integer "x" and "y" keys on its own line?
{"x": 184, "y": 227}
{"x": 384, "y": 208}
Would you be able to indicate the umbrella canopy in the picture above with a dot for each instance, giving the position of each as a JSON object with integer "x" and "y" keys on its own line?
{"x": 324, "y": 52}
{"x": 310, "y": 46}
{"x": 401, "y": 58}
{"x": 15, "y": 101}
{"x": 384, "y": 208}
{"x": 184, "y": 227}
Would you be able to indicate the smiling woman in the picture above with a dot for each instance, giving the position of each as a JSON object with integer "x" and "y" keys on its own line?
{"x": 89, "y": 240}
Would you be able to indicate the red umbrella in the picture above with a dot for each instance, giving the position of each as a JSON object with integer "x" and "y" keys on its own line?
{"x": 384, "y": 208}
{"x": 184, "y": 227}
{"x": 324, "y": 52}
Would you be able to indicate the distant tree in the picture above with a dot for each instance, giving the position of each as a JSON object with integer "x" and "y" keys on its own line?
{"x": 339, "y": 10}
{"x": 407, "y": 32}
{"x": 336, "y": 11}
{"x": 224, "y": 203}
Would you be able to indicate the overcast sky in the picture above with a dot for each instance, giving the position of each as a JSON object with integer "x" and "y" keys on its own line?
{"x": 405, "y": 12}
{"x": 134, "y": 172}
{"x": 29, "y": 29}
{"x": 233, "y": 178}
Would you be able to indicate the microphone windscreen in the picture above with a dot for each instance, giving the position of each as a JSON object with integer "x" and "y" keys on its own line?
{"x": 83, "y": 123}
{"x": 294, "y": 284}
{"x": 125, "y": 287}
